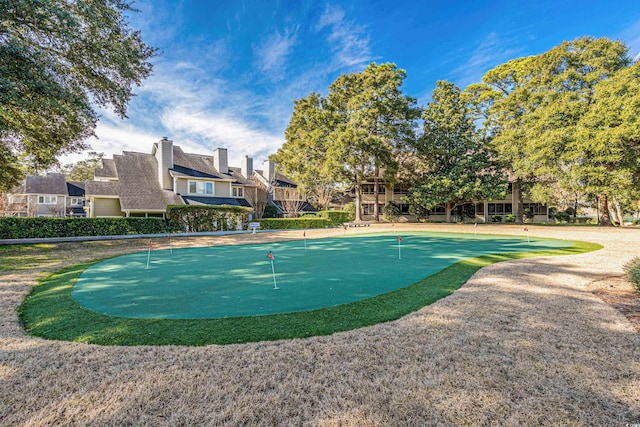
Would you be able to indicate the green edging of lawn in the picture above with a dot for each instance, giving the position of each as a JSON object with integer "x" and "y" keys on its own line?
{"x": 50, "y": 311}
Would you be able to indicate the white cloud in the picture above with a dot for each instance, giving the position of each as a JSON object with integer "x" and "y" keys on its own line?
{"x": 208, "y": 131}
{"x": 271, "y": 54}
{"x": 348, "y": 40}
{"x": 631, "y": 37}
{"x": 491, "y": 52}
{"x": 114, "y": 139}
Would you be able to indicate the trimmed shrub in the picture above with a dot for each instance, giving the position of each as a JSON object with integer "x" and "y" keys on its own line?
{"x": 496, "y": 218}
{"x": 351, "y": 209}
{"x": 391, "y": 211}
{"x": 632, "y": 268}
{"x": 195, "y": 218}
{"x": 292, "y": 223}
{"x": 528, "y": 214}
{"x": 561, "y": 216}
{"x": 336, "y": 218}
{"x": 270, "y": 211}
{"x": 509, "y": 218}
{"x": 29, "y": 228}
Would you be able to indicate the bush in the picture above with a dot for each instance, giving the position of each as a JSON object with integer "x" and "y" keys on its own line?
{"x": 528, "y": 214}
{"x": 29, "y": 228}
{"x": 351, "y": 209}
{"x": 632, "y": 268}
{"x": 270, "y": 211}
{"x": 562, "y": 216}
{"x": 391, "y": 211}
{"x": 292, "y": 223}
{"x": 496, "y": 218}
{"x": 509, "y": 218}
{"x": 194, "y": 218}
{"x": 336, "y": 218}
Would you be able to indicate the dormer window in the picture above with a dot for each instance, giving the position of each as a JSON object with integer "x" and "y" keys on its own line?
{"x": 200, "y": 187}
{"x": 238, "y": 192}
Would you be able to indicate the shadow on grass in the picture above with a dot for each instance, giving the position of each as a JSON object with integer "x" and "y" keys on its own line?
{"x": 51, "y": 312}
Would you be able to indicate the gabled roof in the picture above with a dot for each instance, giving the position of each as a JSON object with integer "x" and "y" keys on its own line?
{"x": 139, "y": 186}
{"x": 108, "y": 170}
{"x": 53, "y": 183}
{"x": 283, "y": 181}
{"x": 102, "y": 188}
{"x": 195, "y": 165}
{"x": 75, "y": 188}
{"x": 215, "y": 201}
{"x": 236, "y": 174}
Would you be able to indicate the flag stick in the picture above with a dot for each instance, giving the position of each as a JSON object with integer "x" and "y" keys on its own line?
{"x": 170, "y": 247}
{"x": 475, "y": 228}
{"x": 399, "y": 244}
{"x": 304, "y": 234}
{"x": 273, "y": 271}
{"x": 527, "y": 230}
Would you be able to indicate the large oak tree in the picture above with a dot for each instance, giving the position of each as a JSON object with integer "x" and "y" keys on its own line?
{"x": 59, "y": 60}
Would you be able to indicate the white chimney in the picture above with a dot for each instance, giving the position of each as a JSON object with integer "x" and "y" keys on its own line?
{"x": 220, "y": 160}
{"x": 164, "y": 157}
{"x": 269, "y": 170}
{"x": 247, "y": 167}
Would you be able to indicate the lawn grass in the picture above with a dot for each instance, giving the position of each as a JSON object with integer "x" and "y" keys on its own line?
{"x": 50, "y": 311}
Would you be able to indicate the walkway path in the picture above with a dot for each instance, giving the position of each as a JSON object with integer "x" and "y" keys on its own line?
{"x": 522, "y": 343}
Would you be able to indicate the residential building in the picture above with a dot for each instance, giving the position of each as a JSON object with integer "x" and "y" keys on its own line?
{"x": 139, "y": 184}
{"x": 49, "y": 195}
{"x": 475, "y": 211}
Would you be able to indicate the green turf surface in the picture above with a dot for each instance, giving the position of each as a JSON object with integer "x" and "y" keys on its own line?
{"x": 50, "y": 311}
{"x": 231, "y": 281}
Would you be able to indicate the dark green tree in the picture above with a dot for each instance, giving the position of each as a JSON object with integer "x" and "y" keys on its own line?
{"x": 83, "y": 170}
{"x": 59, "y": 60}
{"x": 458, "y": 169}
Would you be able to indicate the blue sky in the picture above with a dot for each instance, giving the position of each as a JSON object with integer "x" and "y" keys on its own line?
{"x": 228, "y": 72}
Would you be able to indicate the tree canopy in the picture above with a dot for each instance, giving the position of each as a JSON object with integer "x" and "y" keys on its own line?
{"x": 59, "y": 60}
{"x": 458, "y": 169}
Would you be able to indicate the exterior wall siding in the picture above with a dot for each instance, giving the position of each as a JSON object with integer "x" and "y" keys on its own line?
{"x": 107, "y": 208}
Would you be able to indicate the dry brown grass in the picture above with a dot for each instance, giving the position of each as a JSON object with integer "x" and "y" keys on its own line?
{"x": 523, "y": 342}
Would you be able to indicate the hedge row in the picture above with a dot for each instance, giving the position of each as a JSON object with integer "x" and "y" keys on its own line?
{"x": 195, "y": 218}
{"x": 293, "y": 223}
{"x": 336, "y": 218}
{"x": 632, "y": 268}
{"x": 27, "y": 228}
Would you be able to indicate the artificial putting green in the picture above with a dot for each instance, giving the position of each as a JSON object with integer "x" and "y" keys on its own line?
{"x": 51, "y": 312}
{"x": 231, "y": 281}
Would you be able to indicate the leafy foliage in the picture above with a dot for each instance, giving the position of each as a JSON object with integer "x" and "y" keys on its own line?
{"x": 632, "y": 268}
{"x": 58, "y": 61}
{"x": 196, "y": 218}
{"x": 30, "y": 228}
{"x": 83, "y": 170}
{"x": 336, "y": 218}
{"x": 391, "y": 211}
{"x": 457, "y": 167}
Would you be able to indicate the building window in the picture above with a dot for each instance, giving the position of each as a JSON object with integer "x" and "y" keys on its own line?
{"x": 238, "y": 192}
{"x": 47, "y": 200}
{"x": 499, "y": 208}
{"x": 536, "y": 208}
{"x": 200, "y": 187}
{"x": 76, "y": 201}
{"x": 399, "y": 190}
{"x": 438, "y": 210}
{"x": 367, "y": 188}
{"x": 480, "y": 208}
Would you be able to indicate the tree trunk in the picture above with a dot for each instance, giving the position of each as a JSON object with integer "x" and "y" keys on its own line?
{"x": 616, "y": 211}
{"x": 358, "y": 202}
{"x": 517, "y": 193}
{"x": 376, "y": 196}
{"x": 603, "y": 211}
{"x": 447, "y": 210}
